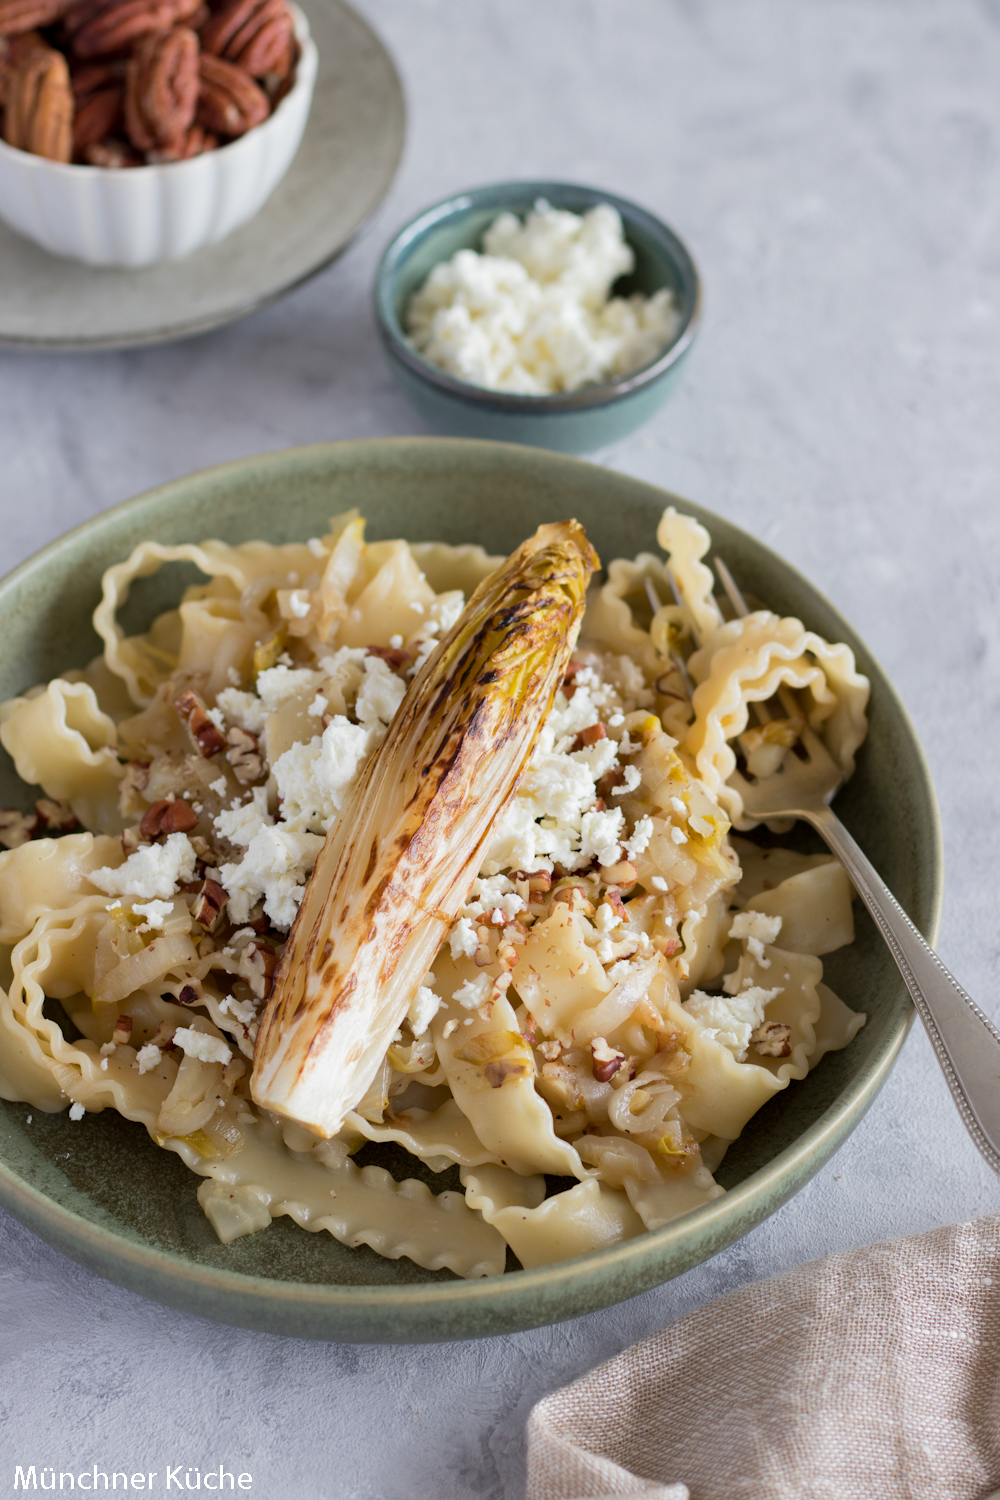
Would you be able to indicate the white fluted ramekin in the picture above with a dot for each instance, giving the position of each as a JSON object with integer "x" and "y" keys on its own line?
{"x": 136, "y": 216}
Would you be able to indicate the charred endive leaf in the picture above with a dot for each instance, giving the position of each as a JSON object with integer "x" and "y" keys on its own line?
{"x": 397, "y": 865}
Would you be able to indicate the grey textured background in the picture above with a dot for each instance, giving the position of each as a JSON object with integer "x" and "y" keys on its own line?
{"x": 834, "y": 168}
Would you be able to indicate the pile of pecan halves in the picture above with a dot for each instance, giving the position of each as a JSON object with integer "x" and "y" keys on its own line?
{"x": 127, "y": 83}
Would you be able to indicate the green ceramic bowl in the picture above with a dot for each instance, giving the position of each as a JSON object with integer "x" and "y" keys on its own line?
{"x": 574, "y": 422}
{"x": 103, "y": 1193}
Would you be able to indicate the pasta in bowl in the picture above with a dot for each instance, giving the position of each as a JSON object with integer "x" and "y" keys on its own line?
{"x": 612, "y": 1001}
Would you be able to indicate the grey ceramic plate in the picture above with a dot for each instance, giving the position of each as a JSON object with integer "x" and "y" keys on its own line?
{"x": 348, "y": 157}
{"x": 104, "y": 1194}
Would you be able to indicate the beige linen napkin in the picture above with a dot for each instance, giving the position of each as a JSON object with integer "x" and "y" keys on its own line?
{"x": 870, "y": 1375}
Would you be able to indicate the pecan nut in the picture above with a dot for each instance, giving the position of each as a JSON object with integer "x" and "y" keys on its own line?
{"x": 230, "y": 103}
{"x": 255, "y": 34}
{"x": 102, "y": 28}
{"x": 39, "y": 113}
{"x": 161, "y": 95}
{"x": 99, "y": 94}
{"x": 17, "y": 16}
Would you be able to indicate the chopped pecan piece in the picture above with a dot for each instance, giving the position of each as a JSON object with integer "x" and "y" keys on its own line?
{"x": 537, "y": 881}
{"x": 39, "y": 113}
{"x": 393, "y": 656}
{"x": 244, "y": 756}
{"x": 19, "y": 16}
{"x": 255, "y": 34}
{"x": 161, "y": 95}
{"x": 203, "y": 850}
{"x": 131, "y": 839}
{"x": 206, "y": 734}
{"x": 229, "y": 102}
{"x": 577, "y": 896}
{"x": 164, "y": 816}
{"x": 605, "y": 1060}
{"x": 56, "y": 815}
{"x": 772, "y": 1039}
{"x": 623, "y": 874}
{"x": 613, "y": 897}
{"x": 569, "y": 686}
{"x": 609, "y": 781}
{"x": 590, "y": 736}
{"x": 189, "y": 994}
{"x": 16, "y": 828}
{"x": 122, "y": 1033}
{"x": 209, "y": 904}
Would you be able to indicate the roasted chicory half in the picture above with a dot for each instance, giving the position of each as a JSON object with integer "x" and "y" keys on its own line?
{"x": 398, "y": 863}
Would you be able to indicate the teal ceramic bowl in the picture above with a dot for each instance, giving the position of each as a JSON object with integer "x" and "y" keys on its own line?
{"x": 572, "y": 422}
{"x": 105, "y": 1195}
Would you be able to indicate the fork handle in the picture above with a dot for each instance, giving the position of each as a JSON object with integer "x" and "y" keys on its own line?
{"x": 966, "y": 1042}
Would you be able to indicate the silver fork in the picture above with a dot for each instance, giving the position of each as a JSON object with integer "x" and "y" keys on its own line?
{"x": 965, "y": 1041}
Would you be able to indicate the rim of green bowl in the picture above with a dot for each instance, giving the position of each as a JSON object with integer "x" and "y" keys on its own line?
{"x": 516, "y": 194}
{"x": 436, "y": 1311}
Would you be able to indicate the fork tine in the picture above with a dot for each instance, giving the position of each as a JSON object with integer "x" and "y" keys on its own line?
{"x": 733, "y": 594}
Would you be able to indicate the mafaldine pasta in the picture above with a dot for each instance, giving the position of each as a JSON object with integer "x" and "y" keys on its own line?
{"x": 626, "y": 984}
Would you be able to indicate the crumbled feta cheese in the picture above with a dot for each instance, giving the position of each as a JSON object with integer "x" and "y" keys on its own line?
{"x": 278, "y": 684}
{"x": 600, "y": 757}
{"x": 632, "y": 778}
{"x": 199, "y": 1044}
{"x": 380, "y": 694}
{"x": 462, "y": 940}
{"x": 678, "y": 836}
{"x": 318, "y": 706}
{"x": 108, "y": 1048}
{"x": 242, "y": 1011}
{"x": 533, "y": 313}
{"x": 423, "y": 1008}
{"x": 474, "y": 992}
{"x": 396, "y": 642}
{"x": 275, "y": 867}
{"x": 316, "y": 547}
{"x": 148, "y": 1057}
{"x": 416, "y": 606}
{"x": 600, "y": 835}
{"x": 153, "y": 870}
{"x": 755, "y": 924}
{"x": 155, "y": 912}
{"x": 616, "y": 721}
{"x": 77, "y": 1111}
{"x": 658, "y": 883}
{"x": 606, "y": 918}
{"x": 219, "y": 787}
{"x": 242, "y": 709}
{"x": 313, "y": 778}
{"x": 756, "y": 928}
{"x": 243, "y": 821}
{"x": 639, "y": 842}
{"x": 730, "y": 1019}
{"x": 679, "y": 805}
{"x": 299, "y": 603}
